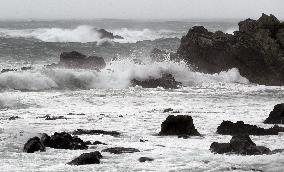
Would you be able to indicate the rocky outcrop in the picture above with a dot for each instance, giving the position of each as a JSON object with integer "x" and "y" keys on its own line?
{"x": 167, "y": 81}
{"x": 239, "y": 144}
{"x": 256, "y": 50}
{"x": 95, "y": 132}
{"x": 120, "y": 150}
{"x": 105, "y": 34}
{"x": 239, "y": 128}
{"x": 87, "y": 158}
{"x": 181, "y": 125}
{"x": 75, "y": 59}
{"x": 63, "y": 141}
{"x": 277, "y": 115}
{"x": 145, "y": 159}
{"x": 33, "y": 145}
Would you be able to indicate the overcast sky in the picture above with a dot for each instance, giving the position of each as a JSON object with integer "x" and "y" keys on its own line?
{"x": 138, "y": 9}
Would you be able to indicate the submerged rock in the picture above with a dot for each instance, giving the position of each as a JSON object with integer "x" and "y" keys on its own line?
{"x": 167, "y": 81}
{"x": 63, "y": 141}
{"x": 230, "y": 128}
{"x": 277, "y": 115}
{"x": 120, "y": 150}
{"x": 87, "y": 158}
{"x": 75, "y": 59}
{"x": 34, "y": 144}
{"x": 8, "y": 70}
{"x": 14, "y": 117}
{"x": 179, "y": 125}
{"x": 239, "y": 144}
{"x": 95, "y": 132}
{"x": 144, "y": 159}
{"x": 256, "y": 50}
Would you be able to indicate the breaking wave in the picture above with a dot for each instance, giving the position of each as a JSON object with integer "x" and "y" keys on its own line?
{"x": 7, "y": 101}
{"x": 85, "y": 33}
{"x": 117, "y": 74}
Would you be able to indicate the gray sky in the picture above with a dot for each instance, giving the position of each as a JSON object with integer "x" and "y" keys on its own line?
{"x": 138, "y": 9}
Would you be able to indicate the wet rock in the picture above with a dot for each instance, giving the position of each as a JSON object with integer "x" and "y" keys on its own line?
{"x": 48, "y": 117}
{"x": 230, "y": 128}
{"x": 8, "y": 70}
{"x": 256, "y": 50}
{"x": 105, "y": 34}
{"x": 64, "y": 141}
{"x": 144, "y": 159}
{"x": 25, "y": 68}
{"x": 143, "y": 140}
{"x": 14, "y": 118}
{"x": 95, "y": 132}
{"x": 277, "y": 115}
{"x": 99, "y": 143}
{"x": 167, "y": 81}
{"x": 75, "y": 59}
{"x": 87, "y": 158}
{"x": 178, "y": 125}
{"x": 33, "y": 144}
{"x": 120, "y": 150}
{"x": 168, "y": 110}
{"x": 239, "y": 144}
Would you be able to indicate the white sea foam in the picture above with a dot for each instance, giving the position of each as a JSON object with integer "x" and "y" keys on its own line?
{"x": 117, "y": 74}
{"x": 85, "y": 33}
{"x": 7, "y": 101}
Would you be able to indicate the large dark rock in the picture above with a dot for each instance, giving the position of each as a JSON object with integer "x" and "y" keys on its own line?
{"x": 75, "y": 59}
{"x": 239, "y": 144}
{"x": 105, "y": 34}
{"x": 167, "y": 81}
{"x": 63, "y": 141}
{"x": 95, "y": 132}
{"x": 178, "y": 125}
{"x": 238, "y": 128}
{"x": 120, "y": 150}
{"x": 277, "y": 115}
{"x": 256, "y": 50}
{"x": 34, "y": 144}
{"x": 87, "y": 158}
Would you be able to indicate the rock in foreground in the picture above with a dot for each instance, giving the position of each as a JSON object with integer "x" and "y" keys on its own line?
{"x": 33, "y": 144}
{"x": 277, "y": 115}
{"x": 239, "y": 144}
{"x": 87, "y": 158}
{"x": 257, "y": 50}
{"x": 167, "y": 81}
{"x": 179, "y": 125}
{"x": 238, "y": 128}
{"x": 120, "y": 150}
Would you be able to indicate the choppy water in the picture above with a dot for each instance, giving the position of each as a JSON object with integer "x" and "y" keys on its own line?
{"x": 110, "y": 104}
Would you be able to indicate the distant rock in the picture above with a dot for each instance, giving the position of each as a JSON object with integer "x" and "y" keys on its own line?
{"x": 238, "y": 128}
{"x": 145, "y": 159}
{"x": 167, "y": 81}
{"x": 256, "y": 50}
{"x": 105, "y": 34}
{"x": 75, "y": 59}
{"x": 14, "y": 117}
{"x": 8, "y": 70}
{"x": 34, "y": 144}
{"x": 99, "y": 143}
{"x": 87, "y": 158}
{"x": 277, "y": 115}
{"x": 63, "y": 141}
{"x": 168, "y": 110}
{"x": 179, "y": 125}
{"x": 239, "y": 144}
{"x": 95, "y": 132}
{"x": 120, "y": 150}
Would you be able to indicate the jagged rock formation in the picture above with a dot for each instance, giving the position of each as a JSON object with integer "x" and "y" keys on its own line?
{"x": 239, "y": 128}
{"x": 257, "y": 50}
{"x": 105, "y": 34}
{"x": 277, "y": 115}
{"x": 75, "y": 59}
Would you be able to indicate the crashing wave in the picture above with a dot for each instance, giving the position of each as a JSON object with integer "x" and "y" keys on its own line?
{"x": 117, "y": 74}
{"x": 85, "y": 33}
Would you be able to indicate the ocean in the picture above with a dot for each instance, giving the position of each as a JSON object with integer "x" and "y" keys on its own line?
{"x": 109, "y": 103}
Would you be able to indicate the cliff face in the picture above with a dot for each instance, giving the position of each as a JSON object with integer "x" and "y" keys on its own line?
{"x": 257, "y": 50}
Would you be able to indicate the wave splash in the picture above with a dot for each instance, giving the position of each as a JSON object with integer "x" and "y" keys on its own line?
{"x": 117, "y": 74}
{"x": 85, "y": 33}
